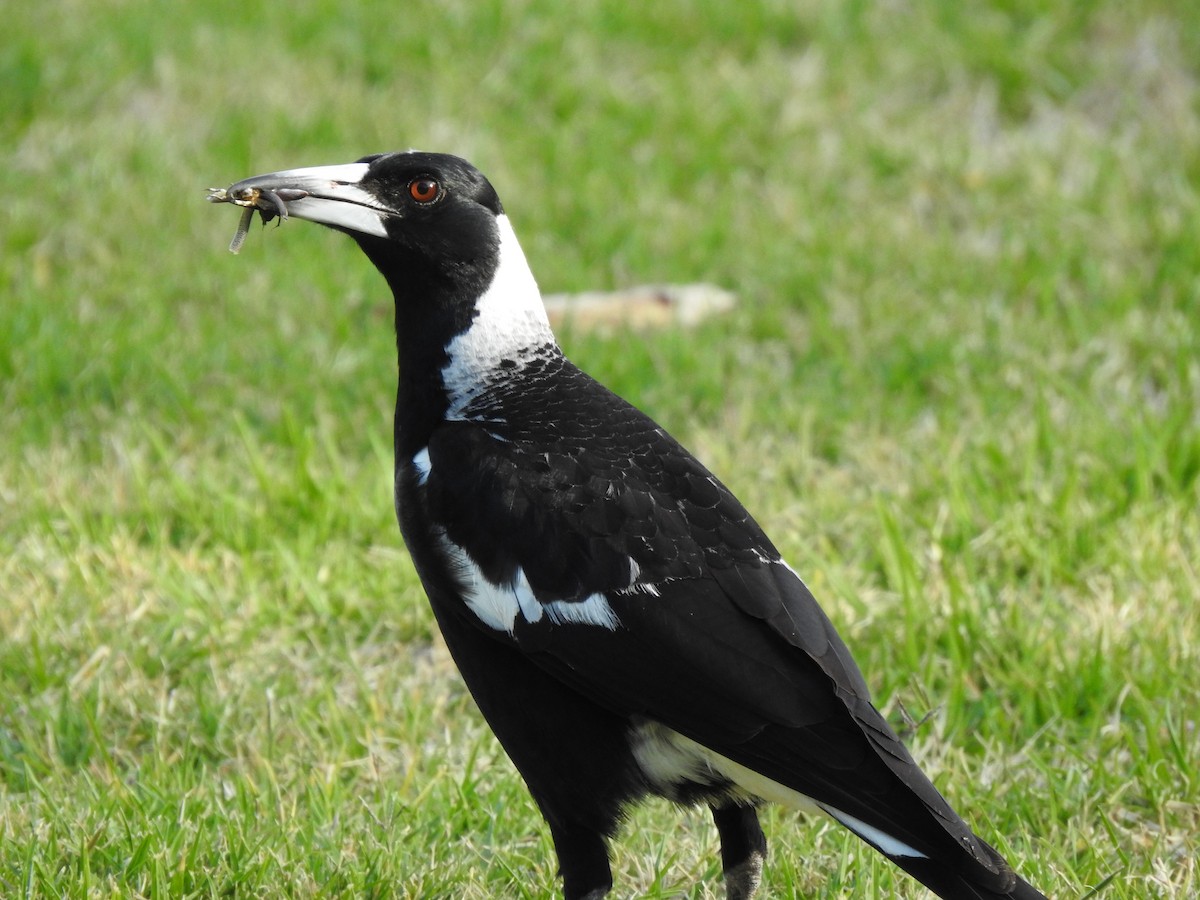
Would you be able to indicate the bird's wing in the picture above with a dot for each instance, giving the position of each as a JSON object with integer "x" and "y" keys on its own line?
{"x": 643, "y": 583}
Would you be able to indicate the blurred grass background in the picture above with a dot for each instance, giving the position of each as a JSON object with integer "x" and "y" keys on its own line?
{"x": 960, "y": 390}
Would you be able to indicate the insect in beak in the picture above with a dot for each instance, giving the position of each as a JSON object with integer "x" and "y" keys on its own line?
{"x": 269, "y": 204}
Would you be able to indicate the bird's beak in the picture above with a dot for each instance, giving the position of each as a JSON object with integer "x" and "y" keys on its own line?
{"x": 328, "y": 195}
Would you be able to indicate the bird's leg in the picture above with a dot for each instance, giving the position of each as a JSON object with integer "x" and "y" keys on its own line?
{"x": 743, "y": 849}
{"x": 582, "y": 862}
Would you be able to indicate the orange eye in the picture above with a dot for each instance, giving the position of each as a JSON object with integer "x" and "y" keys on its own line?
{"x": 424, "y": 189}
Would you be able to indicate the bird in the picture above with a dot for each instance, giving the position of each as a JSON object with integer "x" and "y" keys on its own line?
{"x": 623, "y": 624}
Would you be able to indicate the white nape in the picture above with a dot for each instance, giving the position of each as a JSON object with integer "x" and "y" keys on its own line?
{"x": 498, "y": 605}
{"x": 510, "y": 323}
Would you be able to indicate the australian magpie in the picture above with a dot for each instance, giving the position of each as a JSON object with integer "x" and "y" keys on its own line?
{"x": 624, "y": 625}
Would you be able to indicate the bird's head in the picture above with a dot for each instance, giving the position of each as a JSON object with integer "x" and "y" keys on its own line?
{"x": 434, "y": 226}
{"x": 414, "y": 214}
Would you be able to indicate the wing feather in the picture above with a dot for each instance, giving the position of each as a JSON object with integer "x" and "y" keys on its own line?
{"x": 718, "y": 639}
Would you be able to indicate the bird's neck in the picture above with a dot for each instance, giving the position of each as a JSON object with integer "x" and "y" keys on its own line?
{"x": 484, "y": 336}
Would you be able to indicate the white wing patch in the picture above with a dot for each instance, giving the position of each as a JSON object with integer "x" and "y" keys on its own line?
{"x": 872, "y": 835}
{"x": 668, "y": 759}
{"x": 651, "y": 588}
{"x": 498, "y": 605}
{"x": 422, "y": 464}
{"x": 593, "y": 610}
{"x": 640, "y": 587}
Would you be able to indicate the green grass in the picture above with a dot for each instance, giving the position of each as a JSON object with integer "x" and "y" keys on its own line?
{"x": 961, "y": 390}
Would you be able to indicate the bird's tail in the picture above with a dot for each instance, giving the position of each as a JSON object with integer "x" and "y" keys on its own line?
{"x": 949, "y": 883}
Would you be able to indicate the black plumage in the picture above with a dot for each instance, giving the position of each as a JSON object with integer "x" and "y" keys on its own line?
{"x": 623, "y": 623}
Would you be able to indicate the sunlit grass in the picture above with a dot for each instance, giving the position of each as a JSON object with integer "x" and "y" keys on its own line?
{"x": 961, "y": 391}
